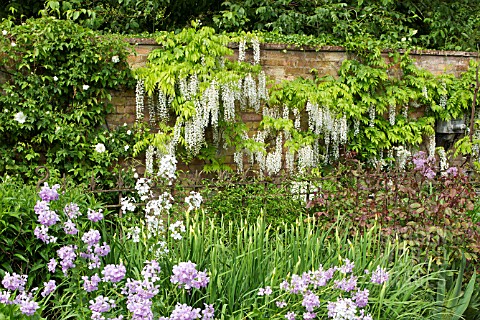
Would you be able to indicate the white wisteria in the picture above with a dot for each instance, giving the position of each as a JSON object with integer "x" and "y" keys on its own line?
{"x": 391, "y": 114}
{"x": 139, "y": 99}
{"x": 256, "y": 50}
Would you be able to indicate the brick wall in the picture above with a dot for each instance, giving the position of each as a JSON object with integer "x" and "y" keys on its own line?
{"x": 280, "y": 61}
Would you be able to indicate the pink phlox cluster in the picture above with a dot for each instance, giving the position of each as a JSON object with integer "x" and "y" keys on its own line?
{"x": 290, "y": 315}
{"x": 67, "y": 257}
{"x": 101, "y": 305}
{"x": 49, "y": 287}
{"x": 265, "y": 291}
{"x": 49, "y": 194}
{"x": 69, "y": 227}
{"x": 186, "y": 276}
{"x": 14, "y": 281}
{"x": 379, "y": 276}
{"x": 90, "y": 285}
{"x": 25, "y": 301}
{"x": 72, "y": 210}
{"x": 41, "y": 232}
{"x": 361, "y": 298}
{"x": 320, "y": 277}
{"x": 113, "y": 273}
{"x": 424, "y": 164}
{"x": 347, "y": 267}
{"x": 185, "y": 312}
{"x": 51, "y": 265}
{"x": 346, "y": 284}
{"x": 91, "y": 237}
{"x": 46, "y": 216}
{"x": 94, "y": 216}
{"x": 310, "y": 301}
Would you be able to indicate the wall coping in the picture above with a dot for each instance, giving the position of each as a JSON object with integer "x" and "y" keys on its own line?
{"x": 283, "y": 46}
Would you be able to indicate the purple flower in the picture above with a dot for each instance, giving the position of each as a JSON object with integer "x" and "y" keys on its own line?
{"x": 69, "y": 227}
{"x": 185, "y": 312}
{"x": 49, "y": 194}
{"x": 67, "y": 257}
{"x": 290, "y": 316}
{"x": 14, "y": 281}
{"x": 52, "y": 264}
{"x": 49, "y": 287}
{"x": 309, "y": 315}
{"x": 151, "y": 270}
{"x": 265, "y": 292}
{"x": 5, "y": 297}
{"x": 320, "y": 277}
{"x": 379, "y": 276}
{"x": 342, "y": 309}
{"x": 95, "y": 216}
{"x": 92, "y": 284}
{"x": 46, "y": 216}
{"x": 28, "y": 307}
{"x": 347, "y": 267}
{"x": 72, "y": 210}
{"x": 208, "y": 313}
{"x": 187, "y": 276}
{"x": 361, "y": 298}
{"x": 310, "y": 301}
{"x": 91, "y": 237}
{"x": 101, "y": 251}
{"x": 281, "y": 304}
{"x": 453, "y": 171}
{"x": 346, "y": 284}
{"x": 41, "y": 232}
{"x": 114, "y": 273}
{"x": 102, "y": 304}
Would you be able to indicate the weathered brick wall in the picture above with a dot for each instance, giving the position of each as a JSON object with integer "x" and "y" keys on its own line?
{"x": 284, "y": 62}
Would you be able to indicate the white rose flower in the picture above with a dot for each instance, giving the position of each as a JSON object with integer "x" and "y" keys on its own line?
{"x": 115, "y": 59}
{"x": 100, "y": 147}
{"x": 4, "y": 32}
{"x": 129, "y": 132}
{"x": 86, "y": 86}
{"x": 13, "y": 44}
{"x": 135, "y": 175}
{"x": 55, "y": 78}
{"x": 126, "y": 147}
{"x": 20, "y": 117}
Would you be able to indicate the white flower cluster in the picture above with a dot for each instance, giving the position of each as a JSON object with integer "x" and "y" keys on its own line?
{"x": 425, "y": 92}
{"x": 134, "y": 234}
{"x": 273, "y": 161}
{"x": 443, "y": 163}
{"x": 306, "y": 158}
{"x": 238, "y": 159}
{"x": 391, "y": 114}
{"x": 431, "y": 146}
{"x": 443, "y": 98}
{"x": 177, "y": 229}
{"x": 303, "y": 190}
{"x": 256, "y": 50}
{"x": 262, "y": 86}
{"x": 167, "y": 167}
{"x": 250, "y": 93}
{"x": 139, "y": 99}
{"x": 194, "y": 200}
{"x": 402, "y": 155}
{"x": 241, "y": 50}
{"x": 149, "y": 155}
{"x": 128, "y": 204}
{"x": 371, "y": 115}
{"x": 156, "y": 206}
{"x": 162, "y": 109}
{"x": 228, "y": 100}
{"x": 143, "y": 188}
{"x": 151, "y": 110}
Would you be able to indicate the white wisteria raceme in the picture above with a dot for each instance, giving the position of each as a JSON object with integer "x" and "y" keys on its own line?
{"x": 183, "y": 88}
{"x": 194, "y": 133}
{"x": 241, "y": 50}
{"x": 405, "y": 111}
{"x": 256, "y": 50}
{"x": 193, "y": 86}
{"x": 391, "y": 114}
{"x": 306, "y": 158}
{"x": 259, "y": 155}
{"x": 443, "y": 163}
{"x": 228, "y": 100}
{"x": 371, "y": 115}
{"x": 212, "y": 104}
{"x": 356, "y": 127}
{"x": 402, "y": 155}
{"x": 425, "y": 92}
{"x": 262, "y": 86}
{"x": 151, "y": 110}
{"x": 139, "y": 99}
{"x": 238, "y": 159}
{"x": 343, "y": 130}
{"x": 431, "y": 146}
{"x": 167, "y": 167}
{"x": 285, "y": 112}
{"x": 149, "y": 155}
{"x": 297, "y": 122}
{"x": 162, "y": 110}
{"x": 273, "y": 162}
{"x": 250, "y": 92}
{"x": 315, "y": 117}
